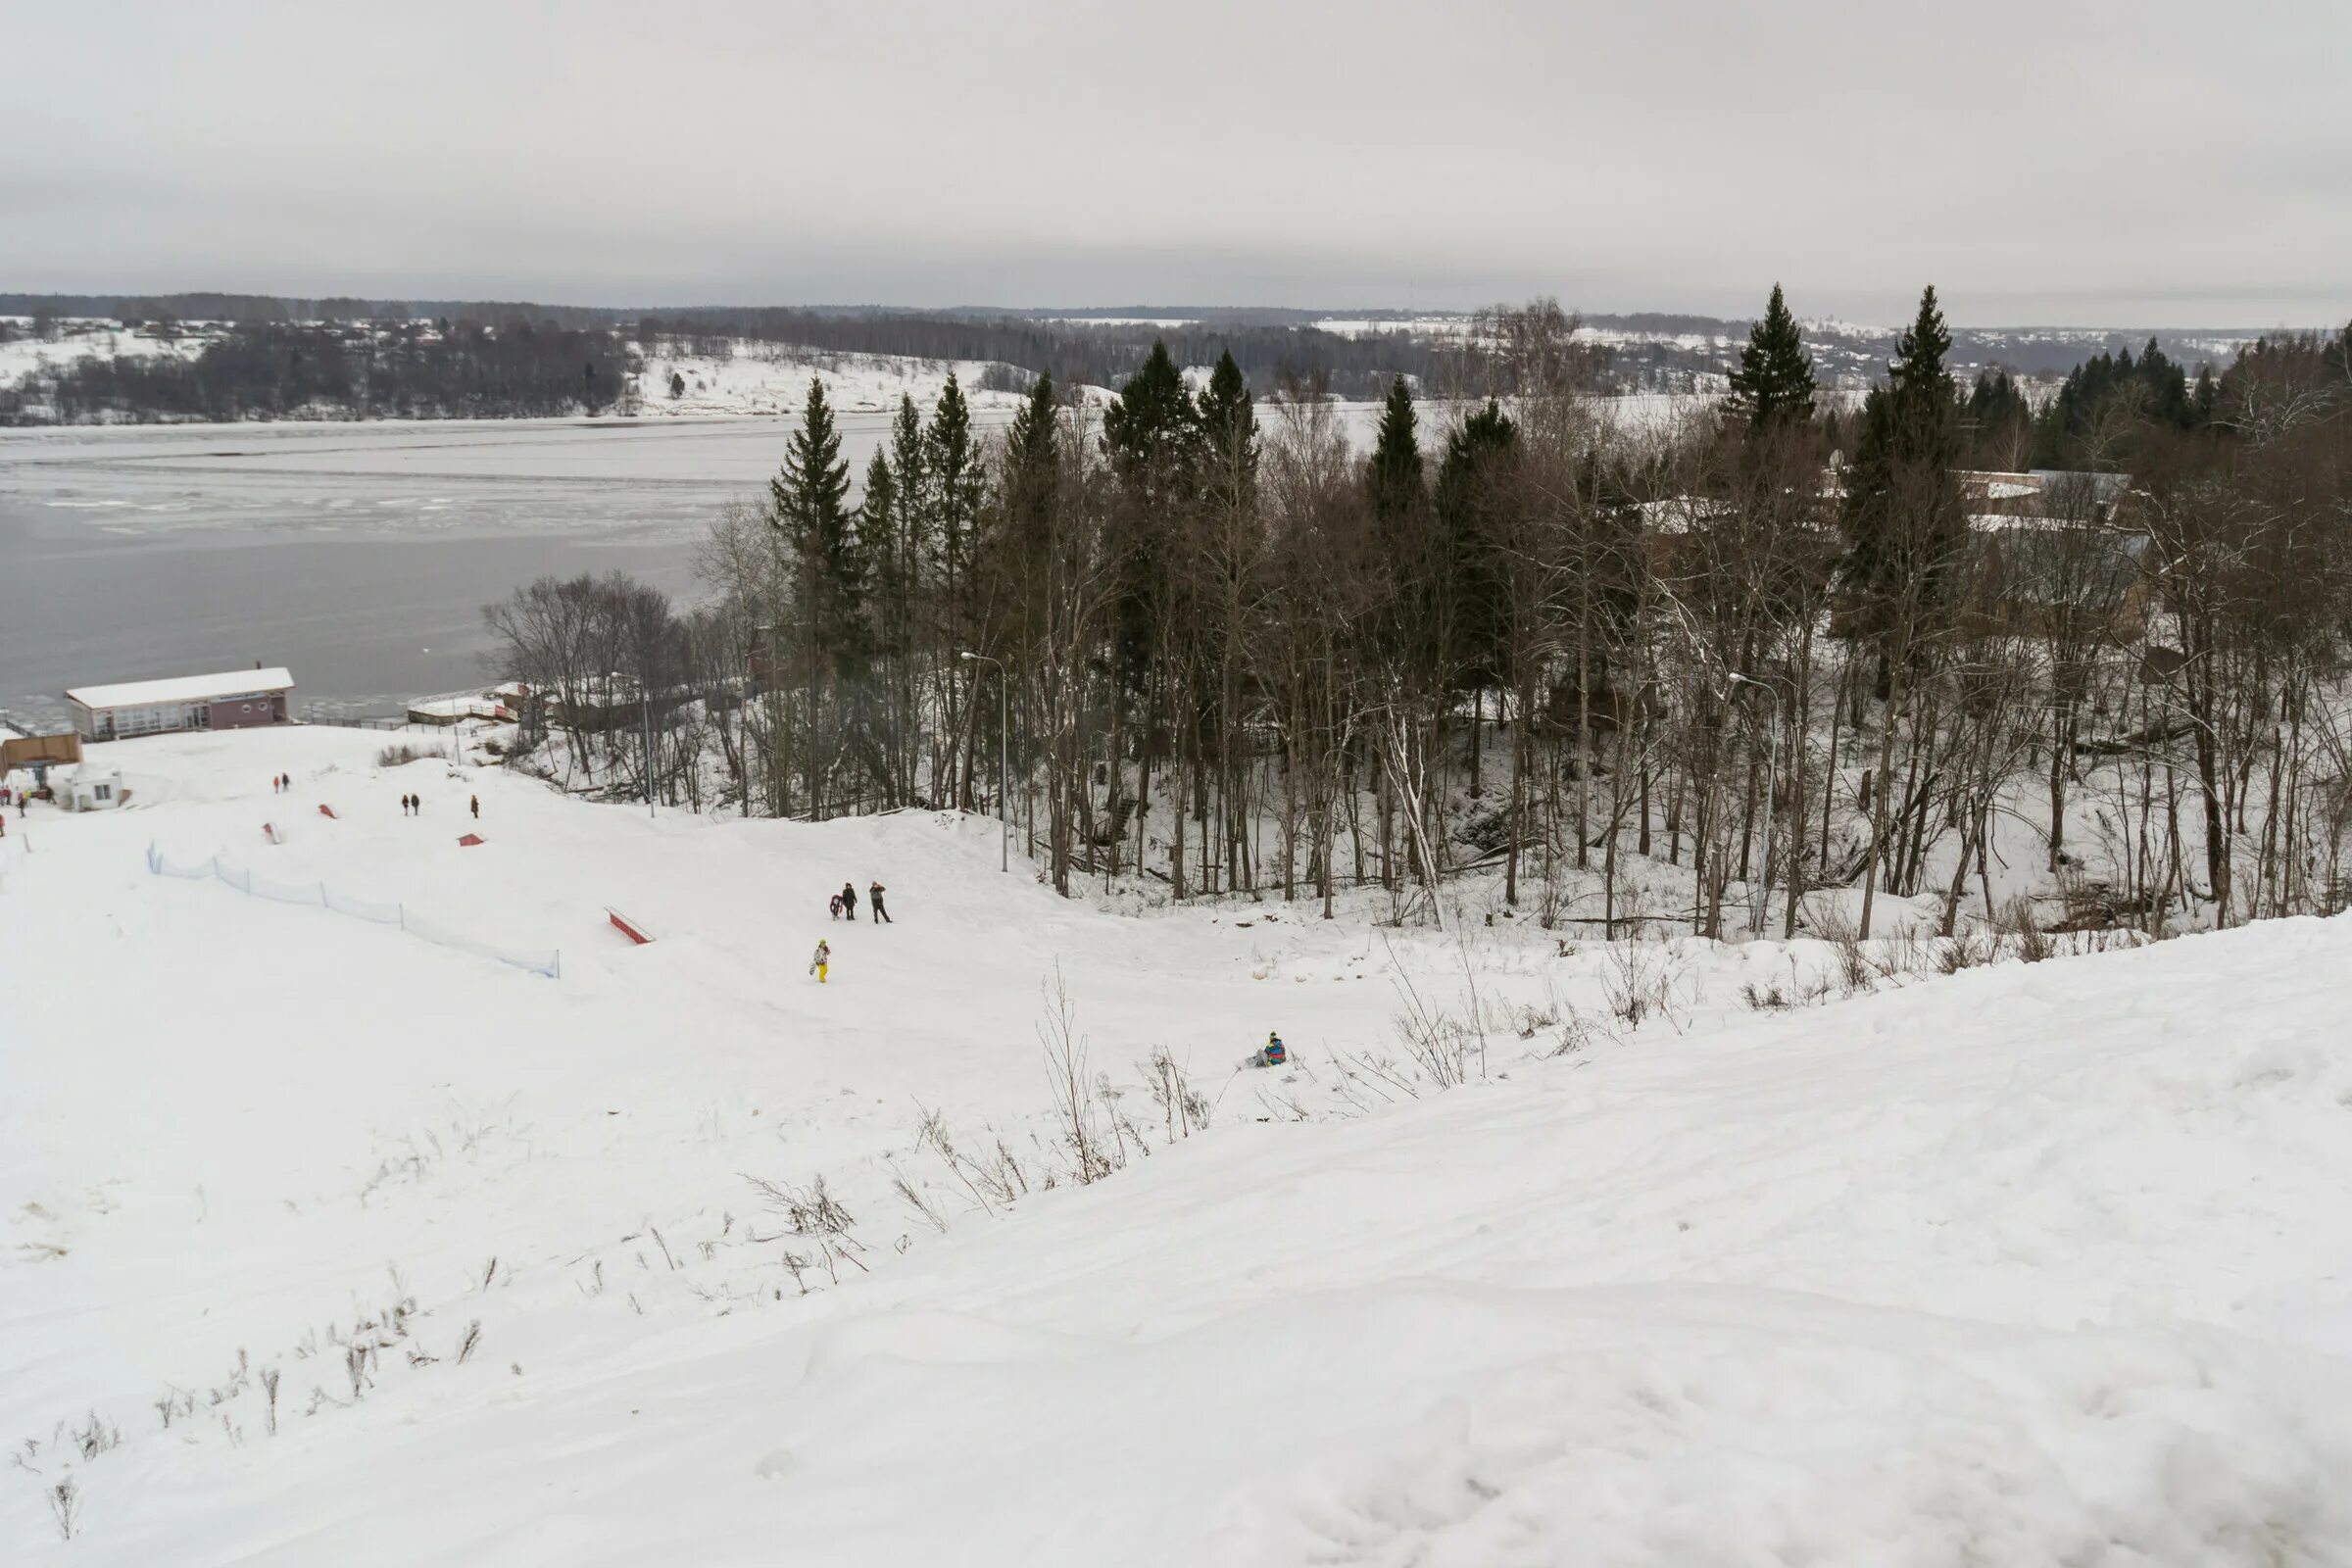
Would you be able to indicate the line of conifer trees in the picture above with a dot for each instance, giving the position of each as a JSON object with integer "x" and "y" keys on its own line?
{"x": 1237, "y": 652}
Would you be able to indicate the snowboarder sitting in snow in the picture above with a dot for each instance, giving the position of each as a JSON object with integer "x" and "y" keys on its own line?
{"x": 823, "y": 958}
{"x": 1270, "y": 1055}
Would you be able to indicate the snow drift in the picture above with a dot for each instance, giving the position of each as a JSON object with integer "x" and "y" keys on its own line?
{"x": 2034, "y": 1264}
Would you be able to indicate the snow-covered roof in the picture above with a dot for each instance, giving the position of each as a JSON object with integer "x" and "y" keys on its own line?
{"x": 182, "y": 688}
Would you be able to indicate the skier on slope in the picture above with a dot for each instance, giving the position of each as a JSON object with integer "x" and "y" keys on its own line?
{"x": 825, "y": 958}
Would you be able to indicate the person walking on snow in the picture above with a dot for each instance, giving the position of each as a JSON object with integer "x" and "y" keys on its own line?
{"x": 874, "y": 900}
{"x": 823, "y": 958}
{"x": 475, "y": 802}
{"x": 849, "y": 901}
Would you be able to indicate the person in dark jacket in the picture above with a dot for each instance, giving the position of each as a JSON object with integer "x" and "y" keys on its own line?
{"x": 849, "y": 901}
{"x": 873, "y": 900}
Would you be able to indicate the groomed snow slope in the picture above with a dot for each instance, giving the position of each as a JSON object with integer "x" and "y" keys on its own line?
{"x": 2044, "y": 1264}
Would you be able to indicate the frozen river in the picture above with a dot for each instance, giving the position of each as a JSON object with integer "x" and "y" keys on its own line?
{"x": 356, "y": 554}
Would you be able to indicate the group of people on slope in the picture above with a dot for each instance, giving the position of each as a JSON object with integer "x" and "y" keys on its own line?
{"x": 413, "y": 805}
{"x": 844, "y": 903}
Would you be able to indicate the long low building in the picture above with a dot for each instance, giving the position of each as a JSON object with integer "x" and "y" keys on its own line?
{"x": 237, "y": 699}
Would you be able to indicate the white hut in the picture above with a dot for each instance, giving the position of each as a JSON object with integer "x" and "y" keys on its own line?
{"x": 92, "y": 789}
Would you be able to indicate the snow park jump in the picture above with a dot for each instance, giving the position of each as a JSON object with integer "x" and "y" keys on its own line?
{"x": 627, "y": 927}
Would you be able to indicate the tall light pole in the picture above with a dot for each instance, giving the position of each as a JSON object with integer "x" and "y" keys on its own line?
{"x": 1762, "y": 889}
{"x": 1004, "y": 757}
{"x": 645, "y": 717}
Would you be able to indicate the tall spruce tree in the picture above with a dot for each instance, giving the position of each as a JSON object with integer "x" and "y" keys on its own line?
{"x": 1151, "y": 433}
{"x": 811, "y": 507}
{"x": 910, "y": 482}
{"x": 1902, "y": 513}
{"x": 1774, "y": 385}
{"x": 877, "y": 543}
{"x": 1228, "y": 418}
{"x": 1392, "y": 478}
{"x": 1152, "y": 429}
{"x": 1468, "y": 501}
{"x": 956, "y": 480}
{"x": 1032, "y": 460}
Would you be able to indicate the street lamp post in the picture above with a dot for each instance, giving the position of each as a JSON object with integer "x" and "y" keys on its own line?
{"x": 1003, "y": 759}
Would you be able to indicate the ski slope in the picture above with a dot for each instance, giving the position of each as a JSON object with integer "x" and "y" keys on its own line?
{"x": 755, "y": 377}
{"x": 2044, "y": 1264}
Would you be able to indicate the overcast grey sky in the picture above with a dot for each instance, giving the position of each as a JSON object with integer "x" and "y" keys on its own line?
{"x": 2154, "y": 163}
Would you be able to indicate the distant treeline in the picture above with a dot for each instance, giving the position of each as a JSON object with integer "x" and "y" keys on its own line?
{"x": 489, "y": 359}
{"x": 135, "y": 310}
{"x": 267, "y": 371}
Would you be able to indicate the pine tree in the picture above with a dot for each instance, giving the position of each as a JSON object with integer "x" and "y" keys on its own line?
{"x": 953, "y": 465}
{"x": 1151, "y": 433}
{"x": 1902, "y": 512}
{"x": 877, "y": 541}
{"x": 1152, "y": 429}
{"x": 1467, "y": 498}
{"x": 1393, "y": 479}
{"x": 1029, "y": 442}
{"x": 1774, "y": 385}
{"x": 2000, "y": 417}
{"x": 1228, "y": 418}
{"x": 1032, "y": 460}
{"x": 810, "y": 502}
{"x": 910, "y": 478}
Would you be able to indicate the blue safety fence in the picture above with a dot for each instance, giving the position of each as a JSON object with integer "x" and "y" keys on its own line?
{"x": 319, "y": 895}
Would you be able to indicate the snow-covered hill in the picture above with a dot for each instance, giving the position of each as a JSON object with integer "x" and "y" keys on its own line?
{"x": 745, "y": 377}
{"x": 23, "y": 353}
{"x": 2034, "y": 1264}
